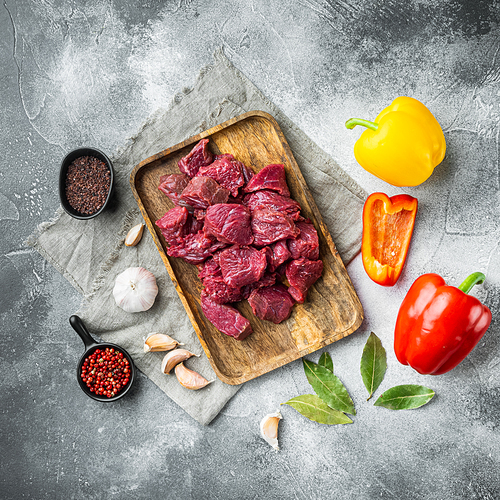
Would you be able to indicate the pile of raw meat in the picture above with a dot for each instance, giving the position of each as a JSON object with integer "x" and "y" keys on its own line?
{"x": 244, "y": 233}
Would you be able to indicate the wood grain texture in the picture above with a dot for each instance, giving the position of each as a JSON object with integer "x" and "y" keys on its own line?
{"x": 332, "y": 309}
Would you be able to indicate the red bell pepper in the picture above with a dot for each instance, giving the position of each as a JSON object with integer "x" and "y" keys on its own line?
{"x": 387, "y": 230}
{"x": 439, "y": 325}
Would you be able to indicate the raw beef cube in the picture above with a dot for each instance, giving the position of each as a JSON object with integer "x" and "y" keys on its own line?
{"x": 273, "y": 303}
{"x": 214, "y": 245}
{"x": 194, "y": 225}
{"x": 177, "y": 223}
{"x": 247, "y": 173}
{"x": 306, "y": 244}
{"x": 173, "y": 185}
{"x": 227, "y": 171}
{"x": 269, "y": 226}
{"x": 272, "y": 201}
{"x": 276, "y": 254}
{"x": 200, "y": 156}
{"x": 267, "y": 280}
{"x": 280, "y": 254}
{"x": 209, "y": 268}
{"x": 195, "y": 248}
{"x": 216, "y": 257}
{"x": 270, "y": 177}
{"x": 211, "y": 277}
{"x": 173, "y": 224}
{"x": 281, "y": 271}
{"x": 200, "y": 214}
{"x": 242, "y": 265}
{"x": 220, "y": 292}
{"x": 267, "y": 251}
{"x": 201, "y": 192}
{"x": 236, "y": 201}
{"x": 225, "y": 318}
{"x": 229, "y": 223}
{"x": 301, "y": 274}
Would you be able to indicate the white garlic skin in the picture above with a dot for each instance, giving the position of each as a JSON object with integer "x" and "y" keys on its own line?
{"x": 173, "y": 358}
{"x": 134, "y": 235}
{"x": 190, "y": 379}
{"x": 135, "y": 290}
{"x": 269, "y": 428}
{"x": 160, "y": 342}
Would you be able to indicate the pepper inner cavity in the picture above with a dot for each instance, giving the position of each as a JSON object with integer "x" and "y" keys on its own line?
{"x": 389, "y": 234}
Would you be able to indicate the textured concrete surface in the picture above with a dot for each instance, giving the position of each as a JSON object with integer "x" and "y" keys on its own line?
{"x": 88, "y": 73}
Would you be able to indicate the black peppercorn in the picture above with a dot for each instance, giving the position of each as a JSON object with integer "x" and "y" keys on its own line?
{"x": 87, "y": 184}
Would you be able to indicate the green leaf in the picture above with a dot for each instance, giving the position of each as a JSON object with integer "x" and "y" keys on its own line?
{"x": 328, "y": 387}
{"x": 405, "y": 397}
{"x": 373, "y": 364}
{"x": 326, "y": 361}
{"x": 314, "y": 408}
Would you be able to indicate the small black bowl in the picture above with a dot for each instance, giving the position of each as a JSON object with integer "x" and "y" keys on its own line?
{"x": 69, "y": 158}
{"x": 90, "y": 346}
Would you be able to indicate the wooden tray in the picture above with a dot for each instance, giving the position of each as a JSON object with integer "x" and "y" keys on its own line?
{"x": 332, "y": 309}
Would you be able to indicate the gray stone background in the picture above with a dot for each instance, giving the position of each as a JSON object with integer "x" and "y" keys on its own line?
{"x": 89, "y": 73}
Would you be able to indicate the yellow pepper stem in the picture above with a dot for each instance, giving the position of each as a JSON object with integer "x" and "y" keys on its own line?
{"x": 352, "y": 122}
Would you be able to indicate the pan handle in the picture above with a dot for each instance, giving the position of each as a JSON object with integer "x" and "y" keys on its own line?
{"x": 80, "y": 328}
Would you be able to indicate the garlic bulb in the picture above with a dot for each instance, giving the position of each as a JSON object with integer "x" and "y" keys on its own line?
{"x": 160, "y": 342}
{"x": 134, "y": 235}
{"x": 173, "y": 358}
{"x": 269, "y": 428}
{"x": 135, "y": 289}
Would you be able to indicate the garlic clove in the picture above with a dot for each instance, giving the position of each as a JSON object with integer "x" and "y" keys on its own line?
{"x": 135, "y": 289}
{"x": 269, "y": 428}
{"x": 190, "y": 379}
{"x": 173, "y": 358}
{"x": 134, "y": 235}
{"x": 160, "y": 342}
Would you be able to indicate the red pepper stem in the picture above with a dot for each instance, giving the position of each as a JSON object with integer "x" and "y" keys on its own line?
{"x": 470, "y": 281}
{"x": 352, "y": 122}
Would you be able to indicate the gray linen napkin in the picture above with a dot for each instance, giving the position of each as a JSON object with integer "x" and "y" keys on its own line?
{"x": 90, "y": 254}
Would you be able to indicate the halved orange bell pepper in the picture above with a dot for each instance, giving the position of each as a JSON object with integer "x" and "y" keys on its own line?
{"x": 387, "y": 230}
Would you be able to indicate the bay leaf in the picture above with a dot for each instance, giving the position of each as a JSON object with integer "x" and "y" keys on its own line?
{"x": 373, "y": 364}
{"x": 314, "y": 408}
{"x": 405, "y": 397}
{"x": 326, "y": 361}
{"x": 328, "y": 387}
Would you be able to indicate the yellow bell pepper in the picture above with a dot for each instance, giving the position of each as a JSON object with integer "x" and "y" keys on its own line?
{"x": 403, "y": 145}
